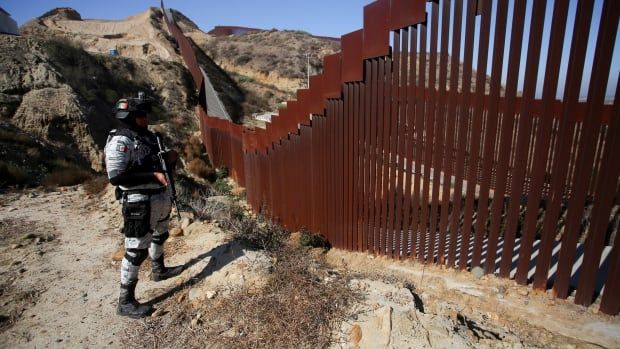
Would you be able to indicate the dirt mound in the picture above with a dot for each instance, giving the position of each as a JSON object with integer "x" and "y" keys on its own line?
{"x": 140, "y": 36}
{"x": 62, "y": 13}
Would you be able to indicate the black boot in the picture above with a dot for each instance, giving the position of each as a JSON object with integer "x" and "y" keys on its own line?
{"x": 129, "y": 306}
{"x": 161, "y": 272}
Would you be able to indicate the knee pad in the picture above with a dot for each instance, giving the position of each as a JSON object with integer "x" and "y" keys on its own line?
{"x": 136, "y": 256}
{"x": 160, "y": 238}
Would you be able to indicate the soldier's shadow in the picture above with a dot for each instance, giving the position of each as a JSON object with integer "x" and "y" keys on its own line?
{"x": 220, "y": 257}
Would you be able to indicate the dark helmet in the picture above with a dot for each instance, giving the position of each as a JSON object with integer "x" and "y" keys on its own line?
{"x": 126, "y": 109}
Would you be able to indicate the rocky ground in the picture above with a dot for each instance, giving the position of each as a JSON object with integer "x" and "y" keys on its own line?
{"x": 60, "y": 252}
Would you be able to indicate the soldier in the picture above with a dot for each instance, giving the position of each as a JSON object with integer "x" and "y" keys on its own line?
{"x": 133, "y": 166}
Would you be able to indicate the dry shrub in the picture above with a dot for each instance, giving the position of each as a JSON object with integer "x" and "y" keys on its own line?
{"x": 199, "y": 167}
{"x": 11, "y": 174}
{"x": 193, "y": 148}
{"x": 299, "y": 307}
{"x": 296, "y": 309}
{"x": 96, "y": 185}
{"x": 66, "y": 177}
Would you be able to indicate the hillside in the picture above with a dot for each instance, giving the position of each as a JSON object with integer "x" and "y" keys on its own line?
{"x": 269, "y": 66}
{"x": 58, "y": 84}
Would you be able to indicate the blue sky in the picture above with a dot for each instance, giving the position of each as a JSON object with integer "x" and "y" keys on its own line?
{"x": 344, "y": 16}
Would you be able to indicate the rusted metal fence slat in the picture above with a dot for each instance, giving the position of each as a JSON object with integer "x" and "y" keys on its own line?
{"x": 402, "y": 152}
{"x": 418, "y": 101}
{"x": 542, "y": 139}
{"x": 601, "y": 211}
{"x": 392, "y": 152}
{"x": 474, "y": 148}
{"x": 451, "y": 121}
{"x": 596, "y": 96}
{"x": 523, "y": 137}
{"x": 408, "y": 99}
{"x": 462, "y": 132}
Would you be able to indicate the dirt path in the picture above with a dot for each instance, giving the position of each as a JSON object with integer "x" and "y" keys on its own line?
{"x": 65, "y": 270}
{"x": 59, "y": 281}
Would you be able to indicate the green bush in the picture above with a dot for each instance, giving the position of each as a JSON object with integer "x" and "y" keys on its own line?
{"x": 222, "y": 187}
{"x": 243, "y": 59}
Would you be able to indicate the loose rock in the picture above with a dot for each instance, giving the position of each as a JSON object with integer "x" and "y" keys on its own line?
{"x": 478, "y": 272}
{"x": 185, "y": 222}
{"x": 176, "y": 232}
{"x": 195, "y": 294}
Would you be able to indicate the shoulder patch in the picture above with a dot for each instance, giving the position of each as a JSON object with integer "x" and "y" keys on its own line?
{"x": 120, "y": 147}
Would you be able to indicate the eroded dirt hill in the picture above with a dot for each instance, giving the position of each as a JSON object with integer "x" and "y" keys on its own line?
{"x": 57, "y": 85}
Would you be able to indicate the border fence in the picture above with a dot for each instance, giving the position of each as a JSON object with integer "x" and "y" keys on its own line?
{"x": 466, "y": 133}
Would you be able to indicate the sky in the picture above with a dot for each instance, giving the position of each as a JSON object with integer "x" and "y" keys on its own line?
{"x": 343, "y": 16}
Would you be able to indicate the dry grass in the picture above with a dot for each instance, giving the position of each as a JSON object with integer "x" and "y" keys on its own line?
{"x": 199, "y": 167}
{"x": 299, "y": 307}
{"x": 96, "y": 185}
{"x": 66, "y": 177}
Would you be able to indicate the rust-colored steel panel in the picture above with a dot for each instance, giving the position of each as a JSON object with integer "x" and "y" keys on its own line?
{"x": 331, "y": 177}
{"x": 350, "y": 158}
{"x": 340, "y": 164}
{"x": 610, "y": 303}
{"x": 358, "y": 164}
{"x": 347, "y": 175}
{"x": 505, "y": 139}
{"x": 404, "y": 13}
{"x": 381, "y": 125}
{"x": 464, "y": 118}
{"x": 303, "y": 107}
{"x": 292, "y": 123}
{"x": 373, "y": 116}
{"x": 366, "y": 147}
{"x": 524, "y": 134}
{"x": 427, "y": 142}
{"x": 474, "y": 150}
{"x": 409, "y": 175}
{"x": 385, "y": 150}
{"x": 392, "y": 101}
{"x": 542, "y": 140}
{"x": 352, "y": 62}
{"x": 323, "y": 161}
{"x": 376, "y": 29}
{"x": 402, "y": 145}
{"x": 316, "y": 104}
{"x": 584, "y": 165}
{"x": 595, "y": 242}
{"x": 449, "y": 106}
{"x": 417, "y": 101}
{"x": 332, "y": 76}
{"x": 490, "y": 133}
{"x": 438, "y": 236}
{"x": 562, "y": 148}
{"x": 432, "y": 141}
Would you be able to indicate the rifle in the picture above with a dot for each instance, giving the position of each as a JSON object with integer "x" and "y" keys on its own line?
{"x": 167, "y": 174}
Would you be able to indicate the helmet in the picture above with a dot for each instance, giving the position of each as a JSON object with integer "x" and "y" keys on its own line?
{"x": 126, "y": 109}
